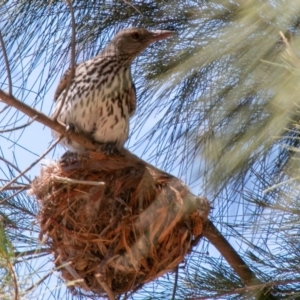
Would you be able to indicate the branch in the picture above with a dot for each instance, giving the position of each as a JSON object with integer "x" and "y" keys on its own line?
{"x": 228, "y": 252}
{"x": 6, "y": 64}
{"x": 45, "y": 120}
{"x": 237, "y": 264}
{"x": 54, "y": 125}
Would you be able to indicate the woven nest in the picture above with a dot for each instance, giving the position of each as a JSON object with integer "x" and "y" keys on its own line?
{"x": 115, "y": 223}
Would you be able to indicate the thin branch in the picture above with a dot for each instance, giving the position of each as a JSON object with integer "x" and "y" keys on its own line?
{"x": 45, "y": 120}
{"x": 72, "y": 67}
{"x": 74, "y": 136}
{"x": 19, "y": 127}
{"x": 56, "y": 126}
{"x": 15, "y": 167}
{"x": 6, "y": 64}
{"x": 228, "y": 252}
{"x": 31, "y": 165}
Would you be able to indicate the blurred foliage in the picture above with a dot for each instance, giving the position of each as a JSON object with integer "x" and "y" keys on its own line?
{"x": 223, "y": 100}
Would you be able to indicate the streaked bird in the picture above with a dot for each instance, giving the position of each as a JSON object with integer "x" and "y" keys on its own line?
{"x": 101, "y": 97}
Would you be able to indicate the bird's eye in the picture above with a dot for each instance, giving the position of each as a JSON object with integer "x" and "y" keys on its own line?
{"x": 135, "y": 35}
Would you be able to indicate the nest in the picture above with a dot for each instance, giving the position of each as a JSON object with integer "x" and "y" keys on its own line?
{"x": 115, "y": 223}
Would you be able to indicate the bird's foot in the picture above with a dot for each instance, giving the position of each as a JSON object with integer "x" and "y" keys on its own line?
{"x": 108, "y": 148}
{"x": 69, "y": 158}
{"x": 71, "y": 127}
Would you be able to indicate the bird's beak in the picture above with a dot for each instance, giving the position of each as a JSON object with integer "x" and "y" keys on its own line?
{"x": 158, "y": 35}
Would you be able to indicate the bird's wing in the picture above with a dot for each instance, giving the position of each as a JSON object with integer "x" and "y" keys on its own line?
{"x": 132, "y": 100}
{"x": 62, "y": 84}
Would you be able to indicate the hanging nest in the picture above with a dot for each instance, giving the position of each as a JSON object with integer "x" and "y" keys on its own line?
{"x": 115, "y": 223}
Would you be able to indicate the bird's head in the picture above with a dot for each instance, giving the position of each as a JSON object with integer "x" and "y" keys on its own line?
{"x": 131, "y": 42}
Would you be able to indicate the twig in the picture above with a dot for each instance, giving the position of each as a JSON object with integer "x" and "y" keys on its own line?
{"x": 33, "y": 164}
{"x": 72, "y": 67}
{"x": 75, "y": 181}
{"x": 6, "y": 64}
{"x": 15, "y": 167}
{"x": 19, "y": 127}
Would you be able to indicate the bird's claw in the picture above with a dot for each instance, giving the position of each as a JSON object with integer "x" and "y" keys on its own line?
{"x": 70, "y": 127}
{"x": 68, "y": 158}
{"x": 109, "y": 149}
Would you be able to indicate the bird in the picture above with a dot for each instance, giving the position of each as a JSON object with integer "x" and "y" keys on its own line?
{"x": 100, "y": 98}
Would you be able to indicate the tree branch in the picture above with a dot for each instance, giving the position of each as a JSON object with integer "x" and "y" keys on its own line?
{"x": 228, "y": 252}
{"x": 45, "y": 120}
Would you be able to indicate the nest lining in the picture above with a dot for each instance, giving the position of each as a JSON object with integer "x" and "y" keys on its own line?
{"x": 115, "y": 224}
